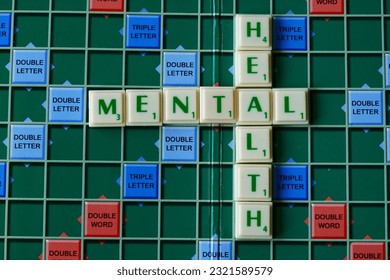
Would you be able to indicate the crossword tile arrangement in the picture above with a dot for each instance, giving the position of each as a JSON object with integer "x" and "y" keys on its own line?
{"x": 253, "y": 143}
{"x": 211, "y": 130}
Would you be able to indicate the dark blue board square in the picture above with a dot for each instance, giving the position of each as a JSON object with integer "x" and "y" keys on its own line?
{"x": 291, "y": 182}
{"x": 66, "y": 105}
{"x": 215, "y": 250}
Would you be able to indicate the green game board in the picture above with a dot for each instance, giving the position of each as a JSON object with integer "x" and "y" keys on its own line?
{"x": 45, "y": 199}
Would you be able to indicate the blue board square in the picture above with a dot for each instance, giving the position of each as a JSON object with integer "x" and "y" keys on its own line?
{"x": 291, "y": 182}
{"x": 215, "y": 250}
{"x": 66, "y": 105}
{"x": 143, "y": 31}
{"x": 3, "y": 180}
{"x": 27, "y": 142}
{"x": 141, "y": 181}
{"x": 5, "y": 30}
{"x": 387, "y": 67}
{"x": 179, "y": 144}
{"x": 180, "y": 69}
{"x": 388, "y": 144}
{"x": 29, "y": 67}
{"x": 289, "y": 33}
{"x": 365, "y": 107}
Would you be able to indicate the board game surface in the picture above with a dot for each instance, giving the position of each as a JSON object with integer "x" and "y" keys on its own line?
{"x": 65, "y": 186}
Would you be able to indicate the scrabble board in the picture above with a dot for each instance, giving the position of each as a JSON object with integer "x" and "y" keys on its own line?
{"x": 76, "y": 185}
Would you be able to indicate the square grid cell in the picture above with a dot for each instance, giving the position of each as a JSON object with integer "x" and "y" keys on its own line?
{"x": 179, "y": 144}
{"x": 106, "y": 108}
{"x": 254, "y": 106}
{"x": 5, "y": 29}
{"x": 3, "y": 178}
{"x": 252, "y": 182}
{"x": 253, "y": 32}
{"x": 143, "y": 32}
{"x": 102, "y": 219}
{"x": 63, "y": 249}
{"x": 110, "y": 151}
{"x": 365, "y": 107}
{"x": 141, "y": 181}
{"x": 29, "y": 67}
{"x": 106, "y": 6}
{"x": 327, "y": 7}
{"x": 387, "y": 69}
{"x": 180, "y": 69}
{"x": 289, "y": 33}
{"x": 329, "y": 221}
{"x": 290, "y": 182}
{"x": 367, "y": 251}
{"x": 28, "y": 142}
{"x": 180, "y": 105}
{"x": 66, "y": 105}
{"x": 253, "y": 69}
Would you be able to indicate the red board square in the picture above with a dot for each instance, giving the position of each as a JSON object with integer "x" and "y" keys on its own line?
{"x": 327, "y": 6}
{"x": 106, "y": 5}
{"x": 101, "y": 219}
{"x": 63, "y": 249}
{"x": 367, "y": 251}
{"x": 328, "y": 221}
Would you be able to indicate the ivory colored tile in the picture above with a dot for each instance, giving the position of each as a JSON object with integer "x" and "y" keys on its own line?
{"x": 253, "y": 32}
{"x": 217, "y": 105}
{"x": 290, "y": 106}
{"x": 388, "y": 144}
{"x": 5, "y": 29}
{"x": 252, "y": 182}
{"x": 106, "y": 108}
{"x": 253, "y": 144}
{"x": 254, "y": 106}
{"x": 143, "y": 107}
{"x": 252, "y": 69}
{"x": 253, "y": 220}
{"x": 180, "y": 105}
